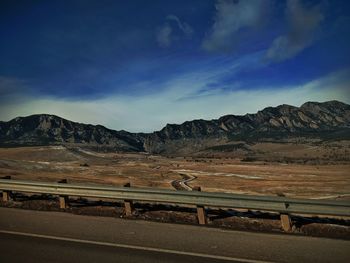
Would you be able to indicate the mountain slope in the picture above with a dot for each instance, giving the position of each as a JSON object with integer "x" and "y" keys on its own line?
{"x": 312, "y": 119}
{"x": 328, "y": 120}
{"x": 46, "y": 129}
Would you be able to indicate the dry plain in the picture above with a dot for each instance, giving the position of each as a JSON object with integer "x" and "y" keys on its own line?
{"x": 215, "y": 174}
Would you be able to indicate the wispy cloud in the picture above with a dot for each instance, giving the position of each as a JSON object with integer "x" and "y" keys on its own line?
{"x": 152, "y": 112}
{"x": 165, "y": 34}
{"x": 183, "y": 26}
{"x": 12, "y": 90}
{"x": 10, "y": 85}
{"x": 303, "y": 22}
{"x": 232, "y": 16}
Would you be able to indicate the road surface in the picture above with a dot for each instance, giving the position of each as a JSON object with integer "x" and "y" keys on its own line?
{"x": 34, "y": 236}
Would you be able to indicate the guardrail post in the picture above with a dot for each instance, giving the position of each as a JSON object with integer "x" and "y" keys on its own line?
{"x": 63, "y": 199}
{"x": 128, "y": 204}
{"x": 6, "y": 194}
{"x": 201, "y": 214}
{"x": 286, "y": 222}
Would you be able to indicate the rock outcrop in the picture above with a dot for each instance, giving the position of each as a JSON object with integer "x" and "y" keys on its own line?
{"x": 328, "y": 120}
{"x": 46, "y": 129}
{"x": 312, "y": 119}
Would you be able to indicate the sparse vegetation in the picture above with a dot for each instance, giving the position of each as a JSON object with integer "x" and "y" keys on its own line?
{"x": 266, "y": 174}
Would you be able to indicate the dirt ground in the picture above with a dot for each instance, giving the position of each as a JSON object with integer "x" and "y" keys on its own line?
{"x": 53, "y": 163}
{"x": 245, "y": 220}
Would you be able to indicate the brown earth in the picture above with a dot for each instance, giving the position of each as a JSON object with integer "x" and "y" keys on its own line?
{"x": 229, "y": 219}
{"x": 225, "y": 174}
{"x": 220, "y": 174}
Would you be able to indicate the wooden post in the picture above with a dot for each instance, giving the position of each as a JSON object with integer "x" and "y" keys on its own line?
{"x": 6, "y": 194}
{"x": 201, "y": 214}
{"x": 128, "y": 204}
{"x": 63, "y": 199}
{"x": 286, "y": 223}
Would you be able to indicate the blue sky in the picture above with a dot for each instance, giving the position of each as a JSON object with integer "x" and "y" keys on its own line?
{"x": 137, "y": 65}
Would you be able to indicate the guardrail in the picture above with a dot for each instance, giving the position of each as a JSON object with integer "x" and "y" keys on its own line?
{"x": 282, "y": 205}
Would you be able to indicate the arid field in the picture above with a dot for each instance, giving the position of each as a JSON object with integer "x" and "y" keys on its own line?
{"x": 218, "y": 174}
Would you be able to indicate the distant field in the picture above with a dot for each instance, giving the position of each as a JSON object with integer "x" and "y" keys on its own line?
{"x": 305, "y": 152}
{"x": 228, "y": 174}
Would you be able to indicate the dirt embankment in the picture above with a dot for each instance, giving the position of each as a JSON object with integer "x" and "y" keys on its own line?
{"x": 228, "y": 219}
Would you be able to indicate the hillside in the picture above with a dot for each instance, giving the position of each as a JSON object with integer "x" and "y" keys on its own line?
{"x": 312, "y": 121}
{"x": 46, "y": 129}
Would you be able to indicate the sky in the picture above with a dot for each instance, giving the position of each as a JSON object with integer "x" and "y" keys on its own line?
{"x": 137, "y": 65}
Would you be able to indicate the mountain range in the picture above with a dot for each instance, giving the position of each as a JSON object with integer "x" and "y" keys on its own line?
{"x": 313, "y": 120}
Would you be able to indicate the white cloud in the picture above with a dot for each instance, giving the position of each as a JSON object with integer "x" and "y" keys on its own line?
{"x": 183, "y": 26}
{"x": 165, "y": 34}
{"x": 152, "y": 112}
{"x": 232, "y": 16}
{"x": 303, "y": 23}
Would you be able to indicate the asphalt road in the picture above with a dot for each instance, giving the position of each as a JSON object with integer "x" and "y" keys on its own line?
{"x": 34, "y": 236}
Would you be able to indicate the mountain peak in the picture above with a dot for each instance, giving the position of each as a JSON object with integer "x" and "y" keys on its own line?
{"x": 330, "y": 103}
{"x": 46, "y": 129}
{"x": 312, "y": 119}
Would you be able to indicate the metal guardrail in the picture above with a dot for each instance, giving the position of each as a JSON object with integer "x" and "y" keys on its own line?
{"x": 282, "y": 205}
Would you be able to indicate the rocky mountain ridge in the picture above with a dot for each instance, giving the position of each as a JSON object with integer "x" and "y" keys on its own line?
{"x": 44, "y": 129}
{"x": 313, "y": 119}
